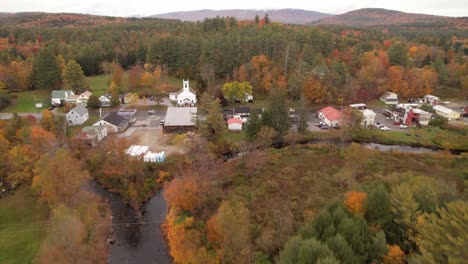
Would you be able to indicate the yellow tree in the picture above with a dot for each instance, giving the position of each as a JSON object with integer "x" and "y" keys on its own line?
{"x": 316, "y": 91}
{"x": 394, "y": 255}
{"x": 354, "y": 202}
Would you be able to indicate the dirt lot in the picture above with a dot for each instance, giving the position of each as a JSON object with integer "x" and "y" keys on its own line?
{"x": 154, "y": 138}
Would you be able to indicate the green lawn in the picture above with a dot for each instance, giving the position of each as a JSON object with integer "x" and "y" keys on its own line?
{"x": 26, "y": 101}
{"x": 235, "y": 136}
{"x": 98, "y": 84}
{"x": 23, "y": 222}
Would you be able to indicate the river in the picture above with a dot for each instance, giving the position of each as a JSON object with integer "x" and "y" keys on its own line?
{"x": 400, "y": 148}
{"x": 136, "y": 239}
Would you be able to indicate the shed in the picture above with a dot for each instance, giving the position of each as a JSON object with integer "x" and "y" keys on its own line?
{"x": 234, "y": 124}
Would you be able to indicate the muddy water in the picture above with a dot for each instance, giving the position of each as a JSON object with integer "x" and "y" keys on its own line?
{"x": 407, "y": 149}
{"x": 136, "y": 239}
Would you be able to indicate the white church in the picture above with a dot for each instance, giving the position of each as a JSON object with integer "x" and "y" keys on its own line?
{"x": 186, "y": 97}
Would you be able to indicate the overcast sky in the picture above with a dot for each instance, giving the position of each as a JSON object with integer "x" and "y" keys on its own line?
{"x": 150, "y": 7}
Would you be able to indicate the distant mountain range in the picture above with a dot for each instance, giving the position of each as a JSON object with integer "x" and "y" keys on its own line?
{"x": 380, "y": 17}
{"x": 369, "y": 17}
{"x": 288, "y": 16}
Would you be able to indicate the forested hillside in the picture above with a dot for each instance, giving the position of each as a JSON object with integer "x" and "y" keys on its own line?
{"x": 326, "y": 63}
{"x": 384, "y": 17}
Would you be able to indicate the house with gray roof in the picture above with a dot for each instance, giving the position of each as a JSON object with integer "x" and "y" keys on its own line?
{"x": 114, "y": 122}
{"x": 59, "y": 97}
{"x": 77, "y": 116}
{"x": 180, "y": 119}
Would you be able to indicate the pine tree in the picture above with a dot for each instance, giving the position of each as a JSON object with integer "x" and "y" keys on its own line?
{"x": 377, "y": 207}
{"x": 213, "y": 128}
{"x": 94, "y": 102}
{"x": 74, "y": 77}
{"x": 397, "y": 55}
{"x": 277, "y": 114}
{"x": 257, "y": 19}
{"x": 46, "y": 71}
{"x": 443, "y": 235}
{"x": 405, "y": 213}
{"x": 267, "y": 19}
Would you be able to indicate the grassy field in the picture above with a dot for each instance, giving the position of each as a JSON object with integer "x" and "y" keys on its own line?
{"x": 236, "y": 136}
{"x": 26, "y": 101}
{"x": 22, "y": 227}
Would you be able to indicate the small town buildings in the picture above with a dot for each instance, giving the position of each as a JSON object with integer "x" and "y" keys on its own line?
{"x": 187, "y": 97}
{"x": 431, "y": 99}
{"x": 330, "y": 116}
{"x": 368, "y": 116}
{"x": 83, "y": 98}
{"x": 105, "y": 100}
{"x": 180, "y": 119}
{"x": 241, "y": 112}
{"x": 128, "y": 98}
{"x": 446, "y": 112}
{"x": 92, "y": 135}
{"x": 409, "y": 115}
{"x": 128, "y": 113}
{"x": 389, "y": 98}
{"x": 59, "y": 97}
{"x": 77, "y": 116}
{"x": 234, "y": 124}
{"x": 360, "y": 106}
{"x": 114, "y": 122}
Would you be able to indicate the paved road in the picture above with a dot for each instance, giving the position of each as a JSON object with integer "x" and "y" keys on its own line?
{"x": 6, "y": 116}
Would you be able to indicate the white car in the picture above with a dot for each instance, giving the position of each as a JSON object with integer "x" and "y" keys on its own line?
{"x": 403, "y": 126}
{"x": 384, "y": 128}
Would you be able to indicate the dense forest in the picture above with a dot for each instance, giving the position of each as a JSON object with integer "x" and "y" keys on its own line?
{"x": 326, "y": 63}
{"x": 333, "y": 201}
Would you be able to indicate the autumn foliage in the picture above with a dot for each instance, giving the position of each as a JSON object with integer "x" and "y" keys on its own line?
{"x": 354, "y": 202}
{"x": 394, "y": 256}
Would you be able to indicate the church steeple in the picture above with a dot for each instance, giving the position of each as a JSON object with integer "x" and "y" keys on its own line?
{"x": 186, "y": 85}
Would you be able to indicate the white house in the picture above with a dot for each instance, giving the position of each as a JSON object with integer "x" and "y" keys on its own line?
{"x": 114, "y": 122}
{"x": 389, "y": 98}
{"x": 330, "y": 116}
{"x": 180, "y": 119}
{"x": 186, "y": 97}
{"x": 92, "y": 135}
{"x": 59, "y": 97}
{"x": 431, "y": 99}
{"x": 105, "y": 100}
{"x": 234, "y": 124}
{"x": 83, "y": 98}
{"x": 368, "y": 117}
{"x": 77, "y": 116}
{"x": 446, "y": 112}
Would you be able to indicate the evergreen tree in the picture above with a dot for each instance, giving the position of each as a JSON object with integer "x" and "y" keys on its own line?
{"x": 443, "y": 235}
{"x": 74, "y": 78}
{"x": 302, "y": 122}
{"x": 342, "y": 249}
{"x": 277, "y": 114}
{"x": 46, "y": 71}
{"x": 267, "y": 19}
{"x": 213, "y": 128}
{"x": 253, "y": 126}
{"x": 405, "y": 212}
{"x": 94, "y": 102}
{"x": 377, "y": 207}
{"x": 115, "y": 100}
{"x": 257, "y": 19}
{"x": 308, "y": 55}
{"x": 441, "y": 69}
{"x": 397, "y": 55}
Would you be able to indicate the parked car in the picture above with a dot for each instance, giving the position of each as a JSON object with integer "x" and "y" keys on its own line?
{"x": 320, "y": 124}
{"x": 397, "y": 123}
{"x": 384, "y": 128}
{"x": 325, "y": 127}
{"x": 403, "y": 126}
{"x": 152, "y": 112}
{"x": 161, "y": 123}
